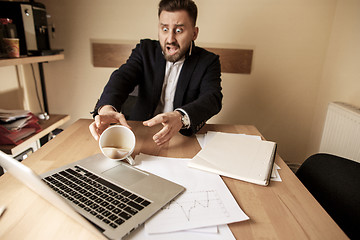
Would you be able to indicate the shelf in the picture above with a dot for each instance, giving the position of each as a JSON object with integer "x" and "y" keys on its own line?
{"x": 34, "y": 59}
{"x": 55, "y": 121}
{"x": 25, "y": 60}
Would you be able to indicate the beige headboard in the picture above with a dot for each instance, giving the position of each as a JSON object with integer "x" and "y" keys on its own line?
{"x": 115, "y": 54}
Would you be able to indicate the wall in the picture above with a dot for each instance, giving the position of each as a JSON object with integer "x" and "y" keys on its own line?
{"x": 290, "y": 41}
{"x": 18, "y": 89}
{"x": 9, "y": 88}
{"x": 341, "y": 73}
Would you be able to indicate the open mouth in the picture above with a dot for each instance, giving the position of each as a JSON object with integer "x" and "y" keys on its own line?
{"x": 172, "y": 49}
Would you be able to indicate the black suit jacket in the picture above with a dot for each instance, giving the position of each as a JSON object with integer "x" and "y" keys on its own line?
{"x": 198, "y": 91}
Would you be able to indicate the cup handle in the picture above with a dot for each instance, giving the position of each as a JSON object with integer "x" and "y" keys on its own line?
{"x": 130, "y": 160}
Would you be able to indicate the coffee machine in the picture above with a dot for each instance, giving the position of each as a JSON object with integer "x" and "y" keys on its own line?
{"x": 31, "y": 26}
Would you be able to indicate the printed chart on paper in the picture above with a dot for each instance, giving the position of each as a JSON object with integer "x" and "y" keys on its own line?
{"x": 193, "y": 209}
{"x": 207, "y": 202}
{"x": 194, "y": 206}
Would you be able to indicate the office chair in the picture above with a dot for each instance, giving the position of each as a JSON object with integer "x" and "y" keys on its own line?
{"x": 335, "y": 183}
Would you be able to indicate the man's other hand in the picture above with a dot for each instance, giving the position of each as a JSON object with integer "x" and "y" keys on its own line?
{"x": 171, "y": 122}
{"x": 107, "y": 115}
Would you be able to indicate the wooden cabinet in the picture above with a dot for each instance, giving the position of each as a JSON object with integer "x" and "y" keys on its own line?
{"x": 55, "y": 120}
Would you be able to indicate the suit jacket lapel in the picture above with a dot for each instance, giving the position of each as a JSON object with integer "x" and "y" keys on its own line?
{"x": 159, "y": 77}
{"x": 184, "y": 78}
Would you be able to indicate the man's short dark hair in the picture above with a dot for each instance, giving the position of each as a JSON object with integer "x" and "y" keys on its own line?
{"x": 175, "y": 5}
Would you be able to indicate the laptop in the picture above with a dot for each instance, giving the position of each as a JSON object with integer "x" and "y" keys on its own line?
{"x": 112, "y": 195}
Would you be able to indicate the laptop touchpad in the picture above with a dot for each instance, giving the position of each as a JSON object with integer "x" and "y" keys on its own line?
{"x": 124, "y": 174}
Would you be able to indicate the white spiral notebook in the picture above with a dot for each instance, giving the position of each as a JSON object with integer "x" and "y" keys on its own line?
{"x": 237, "y": 156}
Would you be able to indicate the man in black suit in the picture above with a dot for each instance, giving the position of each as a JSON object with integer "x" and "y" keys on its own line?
{"x": 179, "y": 84}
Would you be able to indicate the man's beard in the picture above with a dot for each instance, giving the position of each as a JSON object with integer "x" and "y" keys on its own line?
{"x": 177, "y": 56}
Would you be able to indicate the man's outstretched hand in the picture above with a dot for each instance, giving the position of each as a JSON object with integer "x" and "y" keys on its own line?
{"x": 171, "y": 122}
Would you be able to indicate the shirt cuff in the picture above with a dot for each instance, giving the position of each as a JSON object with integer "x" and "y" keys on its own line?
{"x": 98, "y": 110}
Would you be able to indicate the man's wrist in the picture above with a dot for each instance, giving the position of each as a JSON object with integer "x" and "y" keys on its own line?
{"x": 106, "y": 108}
{"x": 185, "y": 120}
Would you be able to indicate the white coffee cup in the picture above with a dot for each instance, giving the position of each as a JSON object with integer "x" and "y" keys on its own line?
{"x": 118, "y": 143}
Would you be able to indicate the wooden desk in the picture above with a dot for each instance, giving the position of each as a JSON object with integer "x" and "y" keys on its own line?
{"x": 282, "y": 210}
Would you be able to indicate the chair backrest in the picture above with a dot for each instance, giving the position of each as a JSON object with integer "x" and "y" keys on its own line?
{"x": 335, "y": 183}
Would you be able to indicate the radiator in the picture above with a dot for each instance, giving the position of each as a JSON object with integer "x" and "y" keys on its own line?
{"x": 341, "y": 134}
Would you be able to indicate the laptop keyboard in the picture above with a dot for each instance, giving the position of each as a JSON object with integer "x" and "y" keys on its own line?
{"x": 109, "y": 203}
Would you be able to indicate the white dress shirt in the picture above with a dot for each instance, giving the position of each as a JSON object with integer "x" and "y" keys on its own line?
{"x": 171, "y": 78}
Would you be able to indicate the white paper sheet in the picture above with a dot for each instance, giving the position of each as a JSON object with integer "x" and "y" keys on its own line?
{"x": 206, "y": 137}
{"x": 224, "y": 233}
{"x": 275, "y": 176}
{"x": 206, "y": 201}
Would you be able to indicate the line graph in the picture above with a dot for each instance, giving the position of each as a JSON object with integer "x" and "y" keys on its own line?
{"x": 196, "y": 202}
{"x": 192, "y": 209}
